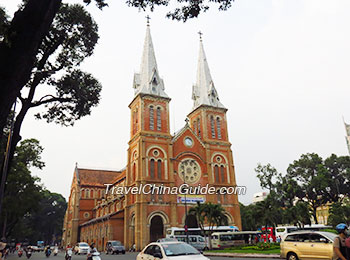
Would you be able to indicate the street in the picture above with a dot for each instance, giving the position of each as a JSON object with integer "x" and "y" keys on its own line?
{"x": 127, "y": 256}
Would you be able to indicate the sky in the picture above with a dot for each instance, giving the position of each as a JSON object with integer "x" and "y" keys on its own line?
{"x": 280, "y": 67}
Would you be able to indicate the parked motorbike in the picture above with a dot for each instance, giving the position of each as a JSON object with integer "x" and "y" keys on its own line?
{"x": 55, "y": 251}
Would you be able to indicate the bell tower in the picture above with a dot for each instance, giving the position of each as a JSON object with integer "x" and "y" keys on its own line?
{"x": 208, "y": 121}
{"x": 149, "y": 146}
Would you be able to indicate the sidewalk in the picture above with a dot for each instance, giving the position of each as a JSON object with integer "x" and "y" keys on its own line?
{"x": 267, "y": 256}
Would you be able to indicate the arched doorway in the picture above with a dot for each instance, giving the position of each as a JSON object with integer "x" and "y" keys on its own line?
{"x": 191, "y": 221}
{"x": 156, "y": 228}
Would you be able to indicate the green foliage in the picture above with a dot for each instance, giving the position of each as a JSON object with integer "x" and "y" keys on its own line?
{"x": 309, "y": 183}
{"x": 339, "y": 212}
{"x": 188, "y": 8}
{"x": 29, "y": 211}
{"x": 70, "y": 93}
{"x": 22, "y": 191}
{"x": 212, "y": 214}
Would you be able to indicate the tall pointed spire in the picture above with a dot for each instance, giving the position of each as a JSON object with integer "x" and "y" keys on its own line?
{"x": 204, "y": 92}
{"x": 148, "y": 80}
{"x": 347, "y": 137}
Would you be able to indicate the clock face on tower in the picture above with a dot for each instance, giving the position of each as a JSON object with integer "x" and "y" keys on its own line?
{"x": 188, "y": 141}
{"x": 189, "y": 171}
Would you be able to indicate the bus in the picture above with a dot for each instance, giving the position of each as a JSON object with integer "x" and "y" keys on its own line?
{"x": 229, "y": 239}
{"x": 270, "y": 231}
{"x": 176, "y": 231}
{"x": 283, "y": 230}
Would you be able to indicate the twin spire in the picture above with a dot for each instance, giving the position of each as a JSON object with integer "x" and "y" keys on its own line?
{"x": 148, "y": 80}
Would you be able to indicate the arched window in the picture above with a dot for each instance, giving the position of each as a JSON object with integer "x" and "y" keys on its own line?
{"x": 199, "y": 127}
{"x": 92, "y": 194}
{"x": 159, "y": 119}
{"x": 218, "y": 126}
{"x": 216, "y": 172}
{"x": 212, "y": 127}
{"x": 159, "y": 169}
{"x": 151, "y": 118}
{"x": 152, "y": 168}
{"x": 87, "y": 193}
{"x": 195, "y": 129}
{"x": 222, "y": 171}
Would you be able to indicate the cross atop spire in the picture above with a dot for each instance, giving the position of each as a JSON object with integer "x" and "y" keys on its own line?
{"x": 204, "y": 92}
{"x": 148, "y": 80}
{"x": 148, "y": 18}
{"x": 200, "y": 35}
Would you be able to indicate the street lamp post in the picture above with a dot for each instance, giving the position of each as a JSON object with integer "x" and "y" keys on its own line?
{"x": 184, "y": 179}
{"x": 186, "y": 227}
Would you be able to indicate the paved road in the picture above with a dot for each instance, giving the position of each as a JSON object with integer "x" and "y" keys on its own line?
{"x": 127, "y": 256}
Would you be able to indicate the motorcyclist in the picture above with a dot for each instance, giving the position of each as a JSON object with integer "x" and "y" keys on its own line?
{"x": 92, "y": 250}
{"x": 339, "y": 247}
{"x": 69, "y": 252}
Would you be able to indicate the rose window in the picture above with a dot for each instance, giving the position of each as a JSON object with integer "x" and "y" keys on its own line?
{"x": 189, "y": 171}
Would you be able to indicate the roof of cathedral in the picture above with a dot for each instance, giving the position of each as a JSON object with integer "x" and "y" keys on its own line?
{"x": 182, "y": 130}
{"x": 97, "y": 177}
{"x": 204, "y": 92}
{"x": 148, "y": 80}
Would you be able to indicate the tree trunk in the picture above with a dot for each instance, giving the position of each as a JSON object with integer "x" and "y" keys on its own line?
{"x": 314, "y": 210}
{"x": 19, "y": 48}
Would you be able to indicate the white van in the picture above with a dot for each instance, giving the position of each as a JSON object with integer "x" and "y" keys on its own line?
{"x": 197, "y": 242}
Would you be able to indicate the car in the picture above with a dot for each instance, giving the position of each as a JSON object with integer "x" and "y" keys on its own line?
{"x": 81, "y": 248}
{"x": 167, "y": 239}
{"x": 114, "y": 246}
{"x": 170, "y": 251}
{"x": 307, "y": 245}
{"x": 35, "y": 248}
{"x": 196, "y": 241}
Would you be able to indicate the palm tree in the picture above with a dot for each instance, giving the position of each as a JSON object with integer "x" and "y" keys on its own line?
{"x": 215, "y": 216}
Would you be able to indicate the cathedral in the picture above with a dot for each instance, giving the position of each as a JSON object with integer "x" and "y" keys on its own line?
{"x": 199, "y": 154}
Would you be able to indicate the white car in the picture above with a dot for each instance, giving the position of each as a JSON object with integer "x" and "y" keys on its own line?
{"x": 170, "y": 251}
{"x": 81, "y": 248}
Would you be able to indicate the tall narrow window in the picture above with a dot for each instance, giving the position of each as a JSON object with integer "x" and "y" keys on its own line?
{"x": 136, "y": 121}
{"x": 195, "y": 129}
{"x": 133, "y": 177}
{"x": 159, "y": 119}
{"x": 152, "y": 168}
{"x": 218, "y": 196}
{"x": 151, "y": 118}
{"x": 218, "y": 125}
{"x": 159, "y": 169}
{"x": 222, "y": 171}
{"x": 212, "y": 126}
{"x": 199, "y": 127}
{"x": 216, "y": 172}
{"x": 87, "y": 193}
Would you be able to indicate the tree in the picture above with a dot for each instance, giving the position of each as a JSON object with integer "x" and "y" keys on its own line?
{"x": 215, "y": 216}
{"x": 22, "y": 191}
{"x": 46, "y": 223}
{"x": 71, "y": 95}
{"x": 199, "y": 212}
{"x": 339, "y": 212}
{"x": 32, "y": 22}
{"x": 311, "y": 175}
